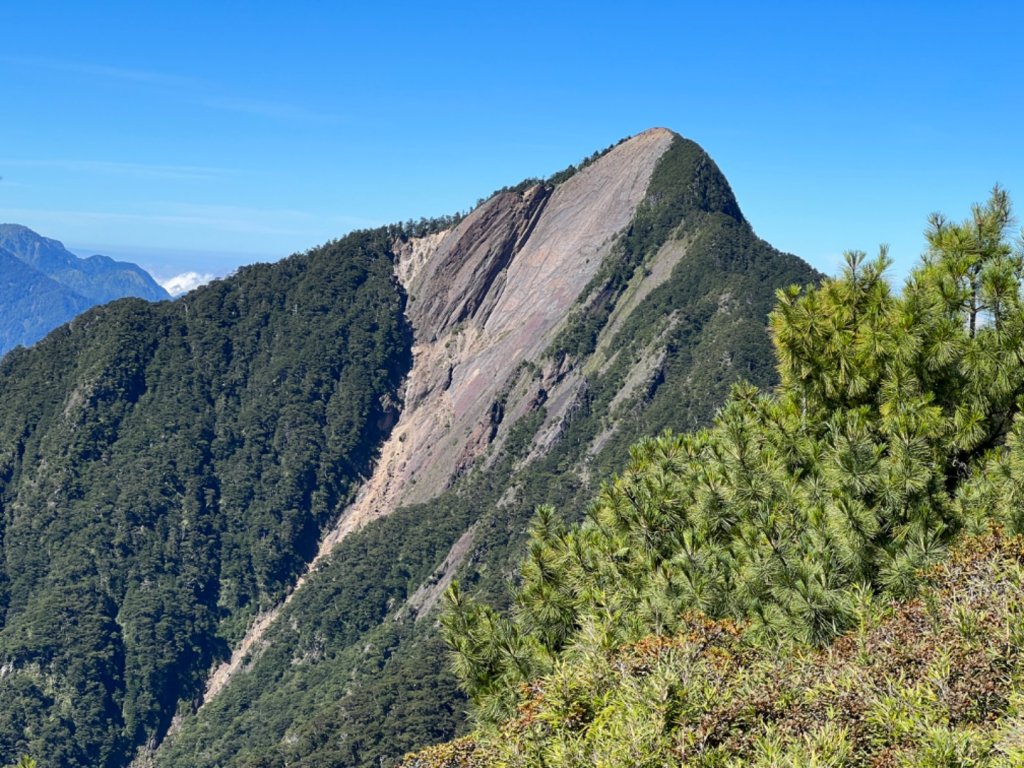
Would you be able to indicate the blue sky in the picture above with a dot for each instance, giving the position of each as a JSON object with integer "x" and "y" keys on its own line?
{"x": 205, "y": 135}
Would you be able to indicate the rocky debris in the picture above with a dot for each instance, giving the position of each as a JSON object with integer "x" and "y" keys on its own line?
{"x": 656, "y": 271}
{"x": 562, "y": 402}
{"x": 481, "y": 437}
{"x": 414, "y": 253}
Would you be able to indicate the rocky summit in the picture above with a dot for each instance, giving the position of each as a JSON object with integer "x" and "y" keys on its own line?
{"x": 286, "y": 468}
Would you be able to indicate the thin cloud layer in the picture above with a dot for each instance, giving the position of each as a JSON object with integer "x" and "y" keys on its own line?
{"x": 185, "y": 282}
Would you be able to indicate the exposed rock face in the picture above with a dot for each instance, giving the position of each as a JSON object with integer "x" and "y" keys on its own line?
{"x": 467, "y": 269}
{"x": 552, "y": 327}
{"x": 486, "y": 297}
{"x": 314, "y": 450}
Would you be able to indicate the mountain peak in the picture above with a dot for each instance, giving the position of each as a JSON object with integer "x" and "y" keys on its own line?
{"x": 688, "y": 174}
{"x": 45, "y": 285}
{"x": 23, "y": 242}
{"x": 99, "y": 278}
{"x": 658, "y": 131}
{"x": 317, "y": 428}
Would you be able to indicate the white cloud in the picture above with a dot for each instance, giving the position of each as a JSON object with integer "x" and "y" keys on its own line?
{"x": 185, "y": 282}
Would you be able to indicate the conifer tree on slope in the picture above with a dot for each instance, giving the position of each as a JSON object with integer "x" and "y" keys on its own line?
{"x": 894, "y": 425}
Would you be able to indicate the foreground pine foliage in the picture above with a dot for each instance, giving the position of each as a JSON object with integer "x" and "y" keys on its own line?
{"x": 934, "y": 681}
{"x": 894, "y": 430}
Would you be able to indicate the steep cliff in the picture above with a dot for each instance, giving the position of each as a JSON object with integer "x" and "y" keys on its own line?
{"x": 286, "y": 468}
{"x": 553, "y": 326}
{"x": 485, "y": 297}
{"x": 488, "y": 296}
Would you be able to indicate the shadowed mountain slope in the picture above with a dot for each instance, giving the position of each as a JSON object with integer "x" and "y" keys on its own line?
{"x": 98, "y": 278}
{"x": 43, "y": 285}
{"x": 33, "y": 304}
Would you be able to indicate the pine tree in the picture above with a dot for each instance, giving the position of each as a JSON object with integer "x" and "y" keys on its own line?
{"x": 894, "y": 426}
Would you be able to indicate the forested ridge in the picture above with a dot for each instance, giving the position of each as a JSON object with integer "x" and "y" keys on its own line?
{"x": 354, "y": 672}
{"x": 777, "y": 589}
{"x": 166, "y": 471}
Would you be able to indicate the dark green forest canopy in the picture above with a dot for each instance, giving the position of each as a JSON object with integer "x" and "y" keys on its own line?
{"x": 165, "y": 472}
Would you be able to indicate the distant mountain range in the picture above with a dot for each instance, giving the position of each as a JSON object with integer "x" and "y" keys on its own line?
{"x": 43, "y": 285}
